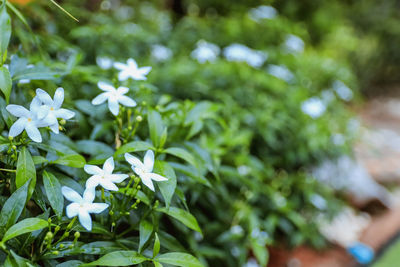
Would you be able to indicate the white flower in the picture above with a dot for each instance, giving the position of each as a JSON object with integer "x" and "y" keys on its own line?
{"x": 82, "y": 206}
{"x": 280, "y": 72}
{"x": 263, "y": 12}
{"x": 114, "y": 97}
{"x": 294, "y": 44}
{"x": 51, "y": 109}
{"x": 342, "y": 90}
{"x": 242, "y": 53}
{"x": 144, "y": 170}
{"x": 205, "y": 52}
{"x": 160, "y": 53}
{"x": 104, "y": 177}
{"x": 314, "y": 107}
{"x": 27, "y": 121}
{"x": 131, "y": 70}
{"x": 104, "y": 63}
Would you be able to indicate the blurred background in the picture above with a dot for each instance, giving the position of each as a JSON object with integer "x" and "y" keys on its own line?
{"x": 307, "y": 93}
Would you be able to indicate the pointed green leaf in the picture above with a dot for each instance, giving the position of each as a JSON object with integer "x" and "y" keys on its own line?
{"x": 183, "y": 216}
{"x": 179, "y": 259}
{"x": 25, "y": 171}
{"x": 72, "y": 160}
{"x": 145, "y": 231}
{"x": 182, "y": 154}
{"x": 167, "y": 188}
{"x": 133, "y": 147}
{"x": 5, "y": 30}
{"x": 23, "y": 227}
{"x": 5, "y": 82}
{"x": 156, "y": 127}
{"x": 13, "y": 207}
{"x": 157, "y": 245}
{"x": 118, "y": 258}
{"x": 53, "y": 192}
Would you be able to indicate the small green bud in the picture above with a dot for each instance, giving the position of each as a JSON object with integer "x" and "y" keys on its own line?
{"x": 111, "y": 213}
{"x": 139, "y": 118}
{"x": 77, "y": 234}
{"x": 10, "y": 138}
{"x": 113, "y": 224}
{"x": 60, "y": 128}
{"x": 127, "y": 213}
{"x": 57, "y": 228}
{"x": 111, "y": 196}
{"x": 63, "y": 122}
{"x": 138, "y": 187}
{"x": 55, "y": 252}
{"x": 49, "y": 236}
{"x": 71, "y": 246}
{"x": 66, "y": 234}
{"x": 137, "y": 180}
{"x": 144, "y": 103}
{"x": 49, "y": 220}
{"x": 62, "y": 246}
{"x": 14, "y": 147}
{"x": 129, "y": 128}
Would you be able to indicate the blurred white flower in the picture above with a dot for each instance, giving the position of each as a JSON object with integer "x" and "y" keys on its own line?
{"x": 280, "y": 72}
{"x": 82, "y": 206}
{"x": 342, "y": 90}
{"x": 294, "y": 44}
{"x": 27, "y": 121}
{"x": 160, "y": 53}
{"x": 338, "y": 139}
{"x": 314, "y": 107}
{"x": 251, "y": 263}
{"x": 104, "y": 63}
{"x": 205, "y": 52}
{"x": 263, "y": 12}
{"x": 114, "y": 97}
{"x": 237, "y": 230}
{"x": 242, "y": 53}
{"x": 144, "y": 169}
{"x": 51, "y": 109}
{"x": 131, "y": 70}
{"x": 318, "y": 201}
{"x": 104, "y": 177}
{"x": 327, "y": 96}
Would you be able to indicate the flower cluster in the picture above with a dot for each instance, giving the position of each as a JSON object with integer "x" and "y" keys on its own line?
{"x": 43, "y": 112}
{"x": 83, "y": 206}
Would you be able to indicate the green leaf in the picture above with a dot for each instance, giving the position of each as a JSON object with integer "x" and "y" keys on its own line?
{"x": 260, "y": 251}
{"x": 182, "y": 154}
{"x": 39, "y": 159}
{"x": 157, "y": 245}
{"x": 13, "y": 207}
{"x": 5, "y": 30}
{"x": 133, "y": 147}
{"x": 156, "y": 127}
{"x": 167, "y": 188}
{"x": 23, "y": 227}
{"x": 38, "y": 72}
{"x": 179, "y": 259}
{"x": 119, "y": 258}
{"x": 183, "y": 216}
{"x": 157, "y": 264}
{"x": 72, "y": 160}
{"x": 53, "y": 192}
{"x": 145, "y": 231}
{"x": 5, "y": 82}
{"x": 25, "y": 171}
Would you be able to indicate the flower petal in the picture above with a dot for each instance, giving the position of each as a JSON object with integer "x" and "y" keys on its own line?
{"x": 132, "y": 63}
{"x": 33, "y": 132}
{"x": 147, "y": 181}
{"x": 149, "y": 161}
{"x": 58, "y": 98}
{"x": 101, "y": 98}
{"x": 123, "y": 75}
{"x": 55, "y": 128}
{"x": 85, "y": 220}
{"x": 50, "y": 119}
{"x": 41, "y": 111}
{"x": 117, "y": 178}
{"x": 71, "y": 194}
{"x": 63, "y": 113}
{"x": 106, "y": 86}
{"x": 134, "y": 161}
{"x": 17, "y": 127}
{"x": 96, "y": 207}
{"x": 107, "y": 184}
{"x": 44, "y": 97}
{"x": 72, "y": 210}
{"x": 155, "y": 177}
{"x": 89, "y": 194}
{"x": 35, "y": 105}
{"x": 127, "y": 101}
{"x": 18, "y": 111}
{"x": 144, "y": 70}
{"x": 92, "y": 169}
{"x": 93, "y": 181}
{"x": 120, "y": 66}
{"x": 113, "y": 106}
{"x": 108, "y": 165}
{"x": 122, "y": 90}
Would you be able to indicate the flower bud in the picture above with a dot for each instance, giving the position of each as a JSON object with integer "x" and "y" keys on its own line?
{"x": 62, "y": 246}
{"x": 62, "y": 122}
{"x": 14, "y": 147}
{"x": 55, "y": 252}
{"x": 77, "y": 234}
{"x": 139, "y": 118}
{"x": 127, "y": 213}
{"x": 71, "y": 246}
{"x": 144, "y": 103}
{"x": 10, "y": 138}
{"x": 49, "y": 220}
{"x": 111, "y": 213}
{"x": 129, "y": 128}
{"x": 57, "y": 228}
{"x": 49, "y": 236}
{"x": 138, "y": 187}
{"x": 137, "y": 180}
{"x": 60, "y": 128}
{"x": 113, "y": 224}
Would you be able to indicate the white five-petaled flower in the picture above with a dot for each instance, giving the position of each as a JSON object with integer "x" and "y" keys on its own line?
{"x": 131, "y": 70}
{"x": 27, "y": 121}
{"x": 114, "y": 97}
{"x": 104, "y": 177}
{"x": 144, "y": 169}
{"x": 51, "y": 109}
{"x": 82, "y": 206}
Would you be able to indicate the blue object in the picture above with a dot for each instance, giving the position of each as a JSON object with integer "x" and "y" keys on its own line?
{"x": 361, "y": 252}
